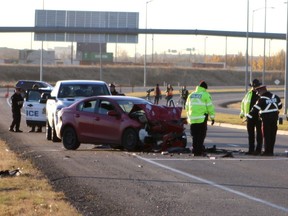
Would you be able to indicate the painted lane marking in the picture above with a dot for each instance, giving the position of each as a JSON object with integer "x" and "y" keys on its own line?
{"x": 213, "y": 184}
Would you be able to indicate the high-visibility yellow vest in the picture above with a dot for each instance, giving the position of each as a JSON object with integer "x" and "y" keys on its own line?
{"x": 199, "y": 105}
{"x": 245, "y": 104}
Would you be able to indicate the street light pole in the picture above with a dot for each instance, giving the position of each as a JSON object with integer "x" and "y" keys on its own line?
{"x": 205, "y": 49}
{"x": 251, "y": 64}
{"x": 247, "y": 43}
{"x": 286, "y": 71}
{"x": 251, "y": 57}
{"x": 264, "y": 52}
{"x": 145, "y": 55}
{"x": 41, "y": 55}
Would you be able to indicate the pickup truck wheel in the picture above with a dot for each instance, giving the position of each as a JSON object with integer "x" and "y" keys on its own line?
{"x": 48, "y": 131}
{"x": 69, "y": 139}
{"x": 130, "y": 139}
{"x": 53, "y": 134}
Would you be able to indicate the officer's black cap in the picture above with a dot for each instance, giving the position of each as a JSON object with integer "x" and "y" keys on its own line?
{"x": 255, "y": 83}
{"x": 203, "y": 84}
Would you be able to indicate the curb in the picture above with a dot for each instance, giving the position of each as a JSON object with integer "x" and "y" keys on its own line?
{"x": 240, "y": 127}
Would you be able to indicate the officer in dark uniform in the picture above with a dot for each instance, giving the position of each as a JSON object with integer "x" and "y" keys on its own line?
{"x": 267, "y": 107}
{"x": 17, "y": 103}
{"x": 113, "y": 89}
{"x": 246, "y": 105}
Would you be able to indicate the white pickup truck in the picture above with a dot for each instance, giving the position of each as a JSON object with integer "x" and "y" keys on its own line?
{"x": 65, "y": 93}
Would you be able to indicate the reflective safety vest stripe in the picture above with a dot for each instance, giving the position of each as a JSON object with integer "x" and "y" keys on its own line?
{"x": 272, "y": 101}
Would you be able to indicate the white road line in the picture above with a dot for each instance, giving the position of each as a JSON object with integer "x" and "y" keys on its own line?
{"x": 215, "y": 185}
{"x": 219, "y": 159}
{"x": 233, "y": 145}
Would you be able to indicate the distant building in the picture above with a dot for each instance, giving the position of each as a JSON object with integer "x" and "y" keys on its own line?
{"x": 33, "y": 57}
{"x": 8, "y": 55}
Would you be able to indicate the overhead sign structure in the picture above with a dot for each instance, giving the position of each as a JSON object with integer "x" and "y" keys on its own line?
{"x": 87, "y": 19}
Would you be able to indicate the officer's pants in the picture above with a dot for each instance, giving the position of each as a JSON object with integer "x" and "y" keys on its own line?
{"x": 269, "y": 131}
{"x": 251, "y": 125}
{"x": 16, "y": 114}
{"x": 198, "y": 133}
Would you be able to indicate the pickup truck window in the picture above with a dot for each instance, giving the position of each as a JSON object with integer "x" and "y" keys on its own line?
{"x": 82, "y": 90}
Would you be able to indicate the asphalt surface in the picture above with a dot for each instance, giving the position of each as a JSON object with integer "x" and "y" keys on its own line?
{"x": 98, "y": 180}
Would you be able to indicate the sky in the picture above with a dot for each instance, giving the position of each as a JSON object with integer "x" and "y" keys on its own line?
{"x": 230, "y": 15}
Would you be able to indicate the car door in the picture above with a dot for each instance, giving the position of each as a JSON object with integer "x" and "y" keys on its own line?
{"x": 35, "y": 110}
{"x": 107, "y": 128}
{"x": 85, "y": 118}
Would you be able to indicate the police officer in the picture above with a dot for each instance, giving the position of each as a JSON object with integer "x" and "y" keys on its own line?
{"x": 267, "y": 107}
{"x": 113, "y": 89}
{"x": 17, "y": 103}
{"x": 247, "y": 103}
{"x": 198, "y": 107}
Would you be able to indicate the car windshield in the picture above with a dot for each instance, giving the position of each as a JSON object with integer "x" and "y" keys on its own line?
{"x": 82, "y": 90}
{"x": 127, "y": 105}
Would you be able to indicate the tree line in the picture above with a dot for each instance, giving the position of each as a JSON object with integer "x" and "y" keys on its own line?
{"x": 272, "y": 63}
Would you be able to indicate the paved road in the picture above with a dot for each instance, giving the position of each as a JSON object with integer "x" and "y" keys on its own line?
{"x": 101, "y": 181}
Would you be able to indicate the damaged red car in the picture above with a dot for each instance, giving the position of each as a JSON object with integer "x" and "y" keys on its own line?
{"x": 123, "y": 122}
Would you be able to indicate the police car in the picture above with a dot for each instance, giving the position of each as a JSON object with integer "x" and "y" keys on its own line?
{"x": 24, "y": 85}
{"x": 35, "y": 106}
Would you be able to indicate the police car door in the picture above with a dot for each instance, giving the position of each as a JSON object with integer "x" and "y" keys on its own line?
{"x": 35, "y": 111}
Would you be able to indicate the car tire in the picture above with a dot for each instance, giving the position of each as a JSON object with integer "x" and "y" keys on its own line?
{"x": 53, "y": 134}
{"x": 130, "y": 139}
{"x": 48, "y": 131}
{"x": 69, "y": 139}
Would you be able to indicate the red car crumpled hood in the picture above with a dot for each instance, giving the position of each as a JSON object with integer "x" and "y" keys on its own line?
{"x": 158, "y": 113}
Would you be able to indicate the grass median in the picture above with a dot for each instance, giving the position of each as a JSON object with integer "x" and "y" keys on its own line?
{"x": 28, "y": 193}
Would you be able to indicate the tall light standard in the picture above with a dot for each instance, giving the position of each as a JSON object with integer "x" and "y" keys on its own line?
{"x": 251, "y": 61}
{"x": 226, "y": 52}
{"x": 286, "y": 70}
{"x": 264, "y": 52}
{"x": 41, "y": 55}
{"x": 205, "y": 48}
{"x": 247, "y": 43}
{"x": 145, "y": 55}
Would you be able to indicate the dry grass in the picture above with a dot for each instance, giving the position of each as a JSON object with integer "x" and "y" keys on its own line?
{"x": 132, "y": 75}
{"x": 29, "y": 193}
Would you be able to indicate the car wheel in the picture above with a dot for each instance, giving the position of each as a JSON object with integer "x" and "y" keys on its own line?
{"x": 53, "y": 134}
{"x": 69, "y": 139}
{"x": 130, "y": 139}
{"x": 48, "y": 131}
